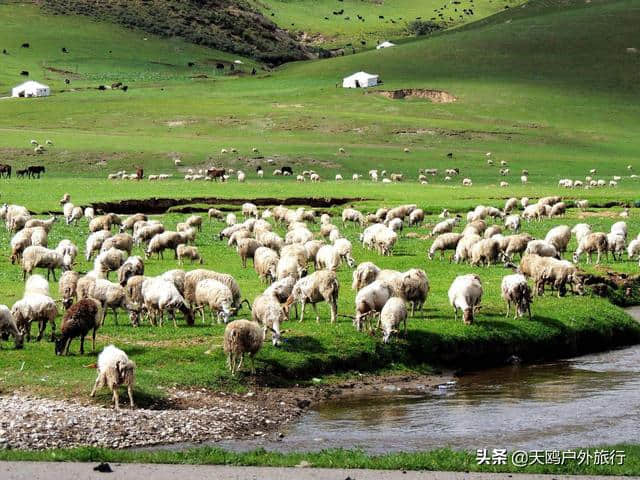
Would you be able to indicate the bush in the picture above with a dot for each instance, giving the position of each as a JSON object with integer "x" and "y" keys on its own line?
{"x": 422, "y": 27}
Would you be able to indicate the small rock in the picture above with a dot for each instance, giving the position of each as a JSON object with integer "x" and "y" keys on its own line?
{"x": 103, "y": 468}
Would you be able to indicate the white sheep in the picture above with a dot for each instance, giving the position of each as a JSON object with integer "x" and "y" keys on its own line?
{"x": 115, "y": 370}
{"x": 370, "y": 300}
{"x": 215, "y": 295}
{"x": 516, "y": 290}
{"x": 160, "y": 295}
{"x": 392, "y": 315}
{"x": 8, "y": 327}
{"x": 465, "y": 294}
{"x": 593, "y": 242}
{"x": 240, "y": 337}
{"x": 320, "y": 286}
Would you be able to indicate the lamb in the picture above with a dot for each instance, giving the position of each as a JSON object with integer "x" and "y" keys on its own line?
{"x": 121, "y": 241}
{"x": 95, "y": 241}
{"x": 164, "y": 241}
{"x": 115, "y": 370}
{"x": 516, "y": 290}
{"x": 392, "y": 315}
{"x": 217, "y": 296}
{"x": 485, "y": 251}
{"x": 465, "y": 294}
{"x": 559, "y": 237}
{"x": 344, "y": 249}
{"x": 132, "y": 266}
{"x": 593, "y": 242}
{"x": 67, "y": 211}
{"x": 79, "y": 319}
{"x": 240, "y": 337}
{"x": 67, "y": 287}
{"x": 35, "y": 256}
{"x": 35, "y": 308}
{"x": 370, "y": 300}
{"x": 446, "y": 241}
{"x": 463, "y": 248}
{"x": 8, "y": 327}
{"x": 189, "y": 252}
{"x": 269, "y": 312}
{"x": 321, "y": 285}
{"x": 247, "y": 248}
{"x": 161, "y": 294}
{"x": 542, "y": 248}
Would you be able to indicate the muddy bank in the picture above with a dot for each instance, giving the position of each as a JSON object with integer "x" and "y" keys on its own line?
{"x": 162, "y": 205}
{"x": 435, "y": 96}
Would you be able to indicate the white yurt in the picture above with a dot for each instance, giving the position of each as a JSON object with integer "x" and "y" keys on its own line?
{"x": 31, "y": 89}
{"x": 360, "y": 80}
{"x": 385, "y": 45}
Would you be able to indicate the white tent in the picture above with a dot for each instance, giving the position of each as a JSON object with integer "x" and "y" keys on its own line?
{"x": 360, "y": 80}
{"x": 31, "y": 89}
{"x": 385, "y": 45}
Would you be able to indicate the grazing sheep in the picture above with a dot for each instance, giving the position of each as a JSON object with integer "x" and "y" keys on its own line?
{"x": 132, "y": 266}
{"x": 95, "y": 241}
{"x": 189, "y": 252}
{"x": 269, "y": 312}
{"x": 67, "y": 287}
{"x": 215, "y": 295}
{"x": 121, "y": 241}
{"x": 582, "y": 204}
{"x": 320, "y": 286}
{"x": 593, "y": 242}
{"x": 110, "y": 295}
{"x": 616, "y": 245}
{"x": 8, "y": 327}
{"x": 146, "y": 231}
{"x": 215, "y": 213}
{"x": 516, "y": 290}
{"x": 79, "y": 319}
{"x": 416, "y": 217}
{"x": 164, "y": 241}
{"x": 370, "y": 300}
{"x": 620, "y": 229}
{"x": 265, "y": 263}
{"x": 392, "y": 315}
{"x": 109, "y": 260}
{"x": 161, "y": 294}
{"x": 104, "y": 222}
{"x": 364, "y": 274}
{"x": 41, "y": 257}
{"x": 463, "y": 248}
{"x": 510, "y": 205}
{"x": 558, "y": 210}
{"x": 250, "y": 210}
{"x": 465, "y": 294}
{"x": 240, "y": 337}
{"x": 559, "y": 237}
{"x": 115, "y": 370}
{"x": 36, "y": 222}
{"x": 492, "y": 231}
{"x": 327, "y": 258}
{"x": 542, "y": 248}
{"x": 289, "y": 266}
{"x": 36, "y": 236}
{"x": 446, "y": 241}
{"x": 485, "y": 251}
{"x": 633, "y": 250}
{"x": 246, "y": 248}
{"x": 352, "y": 215}
{"x": 36, "y": 284}
{"x": 35, "y": 308}
{"x": 130, "y": 222}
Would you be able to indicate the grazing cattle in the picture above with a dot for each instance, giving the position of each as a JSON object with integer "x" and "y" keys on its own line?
{"x": 116, "y": 85}
{"x": 64, "y": 50}
{"x": 5, "y": 170}
{"x": 449, "y": 155}
{"x": 125, "y": 88}
{"x": 287, "y": 170}
{"x": 25, "y": 45}
{"x": 34, "y": 171}
{"x": 101, "y": 87}
{"x": 220, "y": 66}
{"x": 139, "y": 173}
{"x": 21, "y": 173}
{"x": 191, "y": 64}
{"x": 216, "y": 173}
{"x": 24, "y": 73}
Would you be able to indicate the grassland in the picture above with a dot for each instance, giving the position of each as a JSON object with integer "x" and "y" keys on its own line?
{"x": 538, "y": 87}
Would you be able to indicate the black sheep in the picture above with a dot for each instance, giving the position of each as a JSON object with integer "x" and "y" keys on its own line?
{"x": 81, "y": 318}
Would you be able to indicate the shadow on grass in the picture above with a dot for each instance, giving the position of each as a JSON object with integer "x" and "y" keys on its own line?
{"x": 304, "y": 343}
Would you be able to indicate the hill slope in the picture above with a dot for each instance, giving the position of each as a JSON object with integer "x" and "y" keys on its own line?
{"x": 228, "y": 25}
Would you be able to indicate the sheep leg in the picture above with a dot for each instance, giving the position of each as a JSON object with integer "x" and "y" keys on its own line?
{"x": 598, "y": 258}
{"x": 253, "y": 365}
{"x": 315, "y": 310}
{"x": 413, "y": 307}
{"x": 96, "y": 386}
{"x": 455, "y": 313}
{"x": 81, "y": 344}
{"x": 508, "y": 307}
{"x": 41, "y": 326}
{"x": 93, "y": 340}
{"x": 54, "y": 275}
{"x": 334, "y": 310}
{"x": 116, "y": 398}
{"x": 67, "y": 347}
{"x": 303, "y": 304}
{"x": 130, "y": 393}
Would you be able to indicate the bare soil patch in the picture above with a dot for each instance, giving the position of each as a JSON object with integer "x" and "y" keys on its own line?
{"x": 435, "y": 96}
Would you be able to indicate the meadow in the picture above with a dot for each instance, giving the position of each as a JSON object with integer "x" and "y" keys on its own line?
{"x": 534, "y": 85}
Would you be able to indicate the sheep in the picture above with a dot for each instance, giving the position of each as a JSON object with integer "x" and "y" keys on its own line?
{"x": 35, "y": 308}
{"x": 36, "y": 236}
{"x": 250, "y": 210}
{"x": 620, "y": 229}
{"x": 516, "y": 290}
{"x": 79, "y": 319}
{"x": 110, "y": 295}
{"x": 542, "y": 248}
{"x": 633, "y": 250}
{"x": 352, "y": 215}
{"x": 8, "y": 327}
{"x": 189, "y": 252}
{"x": 246, "y": 248}
{"x": 364, "y": 274}
{"x": 321, "y": 285}
{"x": 298, "y": 235}
{"x": 559, "y": 237}
{"x": 485, "y": 251}
{"x": 164, "y": 241}
{"x": 370, "y": 300}
{"x": 558, "y": 273}
{"x": 115, "y": 370}
{"x": 492, "y": 230}
{"x": 36, "y": 284}
{"x": 235, "y": 233}
{"x": 160, "y": 294}
{"x": 146, "y": 232}
{"x": 36, "y": 256}
{"x": 510, "y": 205}
{"x": 582, "y": 204}
{"x": 412, "y": 286}
{"x": 446, "y": 241}
{"x": 312, "y": 246}
{"x": 231, "y": 219}
{"x": 463, "y": 248}
{"x": 384, "y": 241}
{"x": 289, "y": 266}
{"x": 269, "y": 312}
{"x": 465, "y": 294}
{"x": 344, "y": 249}
{"x": 132, "y": 266}
{"x": 215, "y": 295}
{"x": 240, "y": 337}
{"x": 416, "y": 217}
{"x": 392, "y": 315}
{"x": 581, "y": 230}
{"x": 36, "y": 222}
{"x": 467, "y": 182}
{"x": 95, "y": 241}
{"x": 215, "y": 213}
{"x": 121, "y": 241}
{"x": 524, "y": 202}
{"x": 109, "y": 260}
{"x": 129, "y": 222}
{"x": 615, "y": 245}
{"x": 67, "y": 287}
{"x": 104, "y": 222}
{"x": 592, "y": 242}
{"x": 265, "y": 262}
{"x": 395, "y": 224}
{"x": 475, "y": 227}
{"x": 328, "y": 258}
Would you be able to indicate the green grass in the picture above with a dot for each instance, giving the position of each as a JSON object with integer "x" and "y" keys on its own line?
{"x": 436, "y": 460}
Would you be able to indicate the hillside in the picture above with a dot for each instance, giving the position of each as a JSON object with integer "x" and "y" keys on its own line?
{"x": 228, "y": 25}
